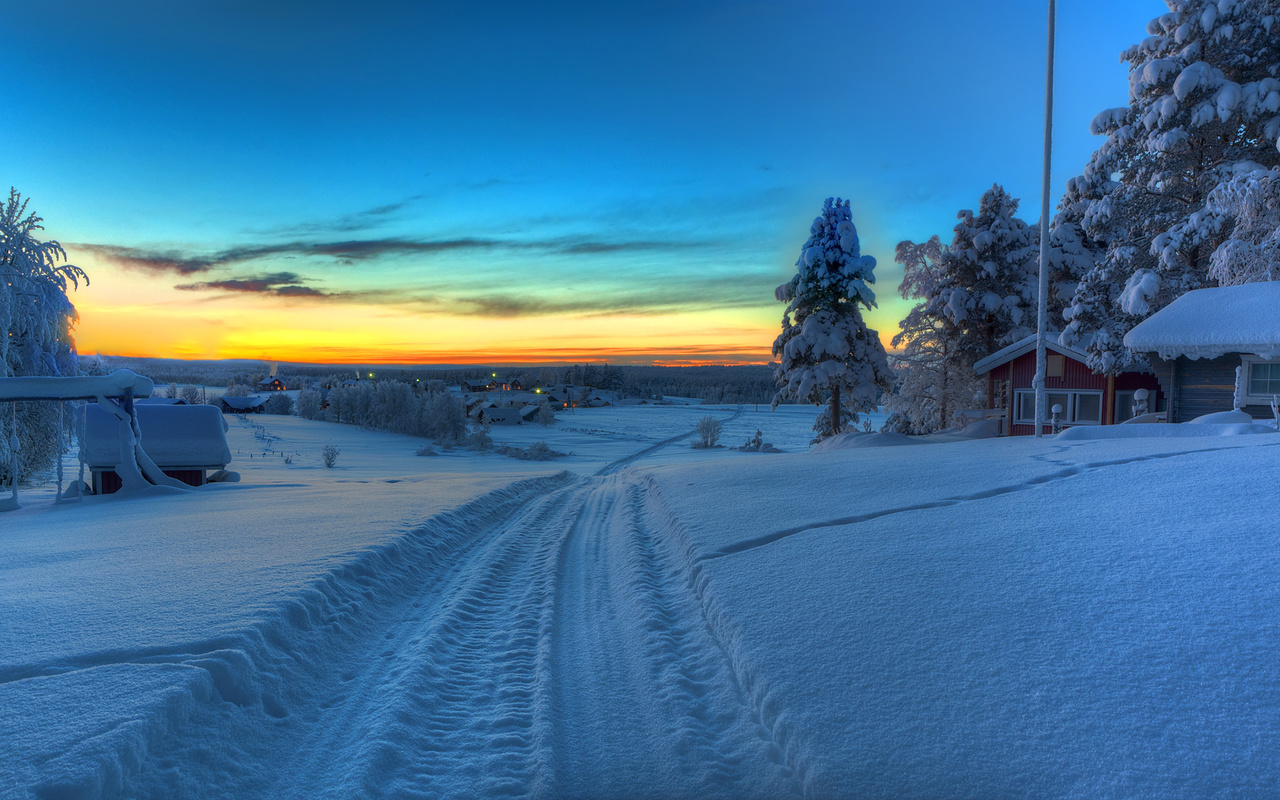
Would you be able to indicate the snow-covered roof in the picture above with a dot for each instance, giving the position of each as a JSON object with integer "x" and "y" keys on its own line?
{"x": 173, "y": 436}
{"x": 1208, "y": 323}
{"x": 502, "y": 415}
{"x": 243, "y": 403}
{"x": 1022, "y": 347}
{"x": 117, "y": 384}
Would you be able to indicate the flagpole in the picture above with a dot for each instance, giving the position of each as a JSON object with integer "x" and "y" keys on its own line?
{"x": 1042, "y": 295}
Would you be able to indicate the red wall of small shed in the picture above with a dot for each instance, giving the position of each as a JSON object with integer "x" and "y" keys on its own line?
{"x": 1076, "y": 375}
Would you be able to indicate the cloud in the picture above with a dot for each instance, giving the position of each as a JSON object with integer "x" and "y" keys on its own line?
{"x": 347, "y": 223}
{"x": 352, "y": 250}
{"x": 281, "y": 284}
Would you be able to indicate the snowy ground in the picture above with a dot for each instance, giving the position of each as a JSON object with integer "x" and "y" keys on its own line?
{"x": 977, "y": 619}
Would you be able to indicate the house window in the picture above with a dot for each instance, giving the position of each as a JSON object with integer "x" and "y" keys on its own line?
{"x": 1078, "y": 408}
{"x": 1264, "y": 379}
{"x": 1055, "y": 366}
{"x": 1261, "y": 380}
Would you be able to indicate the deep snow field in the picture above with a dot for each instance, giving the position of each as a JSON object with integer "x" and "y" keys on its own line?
{"x": 972, "y": 619}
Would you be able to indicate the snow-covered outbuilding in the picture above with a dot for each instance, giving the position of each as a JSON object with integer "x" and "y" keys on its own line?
{"x": 242, "y": 405}
{"x": 1086, "y": 397}
{"x": 499, "y": 416}
{"x": 1215, "y": 349}
{"x": 186, "y": 442}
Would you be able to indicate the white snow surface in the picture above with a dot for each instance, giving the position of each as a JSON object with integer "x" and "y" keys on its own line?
{"x": 986, "y": 618}
{"x": 1208, "y": 323}
{"x": 71, "y": 388}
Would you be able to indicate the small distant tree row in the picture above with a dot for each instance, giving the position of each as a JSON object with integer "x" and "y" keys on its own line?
{"x": 389, "y": 406}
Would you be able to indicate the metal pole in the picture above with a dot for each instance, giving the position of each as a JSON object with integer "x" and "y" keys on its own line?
{"x": 1042, "y": 300}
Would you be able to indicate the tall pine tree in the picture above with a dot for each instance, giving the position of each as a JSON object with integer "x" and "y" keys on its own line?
{"x": 826, "y": 353}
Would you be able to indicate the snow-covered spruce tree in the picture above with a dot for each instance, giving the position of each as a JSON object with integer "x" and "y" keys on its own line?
{"x": 826, "y": 353}
{"x": 985, "y": 287}
{"x": 976, "y": 295}
{"x": 1204, "y": 107}
{"x": 36, "y": 320}
{"x": 933, "y": 379}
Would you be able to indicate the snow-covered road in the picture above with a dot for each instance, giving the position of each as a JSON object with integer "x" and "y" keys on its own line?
{"x": 546, "y": 657}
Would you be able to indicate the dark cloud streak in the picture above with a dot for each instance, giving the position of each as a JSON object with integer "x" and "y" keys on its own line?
{"x": 184, "y": 263}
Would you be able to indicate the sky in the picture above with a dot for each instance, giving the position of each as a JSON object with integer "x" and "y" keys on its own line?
{"x": 504, "y": 183}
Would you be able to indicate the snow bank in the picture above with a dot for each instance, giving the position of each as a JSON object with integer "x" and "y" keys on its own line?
{"x": 855, "y": 440}
{"x": 1082, "y": 433}
{"x": 1208, "y": 323}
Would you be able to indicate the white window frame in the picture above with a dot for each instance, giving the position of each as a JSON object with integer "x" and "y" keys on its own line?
{"x": 1068, "y": 413}
{"x": 1242, "y": 377}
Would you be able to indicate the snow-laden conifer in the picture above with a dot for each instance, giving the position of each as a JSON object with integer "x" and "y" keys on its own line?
{"x": 1204, "y": 107}
{"x": 986, "y": 285}
{"x": 826, "y": 353}
{"x": 976, "y": 295}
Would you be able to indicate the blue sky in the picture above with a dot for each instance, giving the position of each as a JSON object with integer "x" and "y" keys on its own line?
{"x": 617, "y": 177}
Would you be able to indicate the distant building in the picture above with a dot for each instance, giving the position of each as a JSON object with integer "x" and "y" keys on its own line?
{"x": 271, "y": 385}
{"x": 499, "y": 416}
{"x": 242, "y": 405}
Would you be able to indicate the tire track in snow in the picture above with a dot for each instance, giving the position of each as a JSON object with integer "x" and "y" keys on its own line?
{"x": 446, "y": 707}
{"x": 623, "y": 463}
{"x": 564, "y": 655}
{"x": 546, "y": 640}
{"x": 656, "y": 711}
{"x": 766, "y": 714}
{"x": 1030, "y": 483}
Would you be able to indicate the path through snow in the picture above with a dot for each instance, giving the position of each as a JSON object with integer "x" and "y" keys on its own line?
{"x": 552, "y": 645}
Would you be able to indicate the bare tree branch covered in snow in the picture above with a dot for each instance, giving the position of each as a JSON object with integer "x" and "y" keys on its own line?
{"x": 36, "y": 321}
{"x": 1252, "y": 251}
{"x": 826, "y": 352}
{"x": 708, "y": 430}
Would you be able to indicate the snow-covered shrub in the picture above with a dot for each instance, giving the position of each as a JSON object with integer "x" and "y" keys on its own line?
{"x": 479, "y": 438}
{"x": 427, "y": 450}
{"x": 330, "y": 455}
{"x": 538, "y": 451}
{"x": 445, "y": 418}
{"x": 278, "y": 403}
{"x": 826, "y": 354}
{"x": 192, "y": 394}
{"x": 237, "y": 390}
{"x": 171, "y": 390}
{"x": 311, "y": 404}
{"x": 708, "y": 431}
{"x": 36, "y": 319}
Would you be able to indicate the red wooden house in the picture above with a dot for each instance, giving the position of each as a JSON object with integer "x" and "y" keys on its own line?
{"x": 1086, "y": 397}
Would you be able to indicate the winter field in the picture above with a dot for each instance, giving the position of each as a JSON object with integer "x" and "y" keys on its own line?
{"x": 972, "y": 619}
